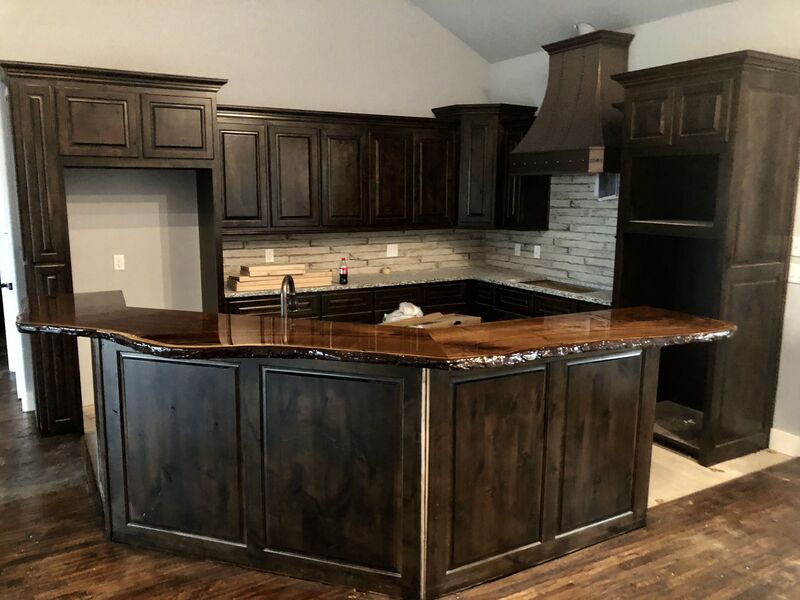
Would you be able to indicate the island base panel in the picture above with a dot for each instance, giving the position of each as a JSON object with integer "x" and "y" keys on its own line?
{"x": 400, "y": 480}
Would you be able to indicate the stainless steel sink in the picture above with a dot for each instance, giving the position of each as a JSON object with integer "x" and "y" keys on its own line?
{"x": 557, "y": 285}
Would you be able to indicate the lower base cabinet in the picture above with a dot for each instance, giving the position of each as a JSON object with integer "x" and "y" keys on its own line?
{"x": 400, "y": 480}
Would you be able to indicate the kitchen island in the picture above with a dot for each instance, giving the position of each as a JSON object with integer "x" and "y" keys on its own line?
{"x": 406, "y": 461}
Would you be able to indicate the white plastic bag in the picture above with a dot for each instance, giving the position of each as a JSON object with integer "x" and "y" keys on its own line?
{"x": 405, "y": 311}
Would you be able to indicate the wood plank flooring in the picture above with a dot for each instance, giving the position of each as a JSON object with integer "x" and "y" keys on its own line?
{"x": 738, "y": 540}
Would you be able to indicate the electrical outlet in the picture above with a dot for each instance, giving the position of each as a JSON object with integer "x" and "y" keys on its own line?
{"x": 794, "y": 272}
{"x": 392, "y": 250}
{"x": 796, "y": 245}
{"x": 269, "y": 255}
{"x": 517, "y": 249}
{"x": 537, "y": 251}
{"x": 119, "y": 262}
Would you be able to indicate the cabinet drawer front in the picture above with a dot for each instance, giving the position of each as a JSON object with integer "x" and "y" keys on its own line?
{"x": 178, "y": 126}
{"x": 358, "y": 317}
{"x": 517, "y": 301}
{"x": 590, "y": 306}
{"x": 702, "y": 112}
{"x": 445, "y": 293}
{"x": 554, "y": 305}
{"x": 649, "y": 118}
{"x": 98, "y": 121}
{"x": 346, "y": 302}
{"x": 391, "y": 298}
{"x": 307, "y": 306}
{"x": 484, "y": 294}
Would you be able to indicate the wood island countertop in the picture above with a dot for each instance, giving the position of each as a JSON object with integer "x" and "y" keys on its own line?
{"x": 175, "y": 333}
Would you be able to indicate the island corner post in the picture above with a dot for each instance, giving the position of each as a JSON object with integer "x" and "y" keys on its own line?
{"x": 412, "y": 463}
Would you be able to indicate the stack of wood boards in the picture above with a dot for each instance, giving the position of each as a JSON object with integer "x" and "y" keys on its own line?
{"x": 436, "y": 320}
{"x": 257, "y": 278}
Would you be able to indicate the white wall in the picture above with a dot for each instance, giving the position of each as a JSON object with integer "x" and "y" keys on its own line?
{"x": 380, "y": 56}
{"x": 766, "y": 25}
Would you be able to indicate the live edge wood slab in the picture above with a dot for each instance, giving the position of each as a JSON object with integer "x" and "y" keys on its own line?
{"x": 409, "y": 462}
{"x": 186, "y": 334}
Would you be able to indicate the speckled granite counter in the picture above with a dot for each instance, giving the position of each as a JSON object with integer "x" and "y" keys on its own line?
{"x": 487, "y": 274}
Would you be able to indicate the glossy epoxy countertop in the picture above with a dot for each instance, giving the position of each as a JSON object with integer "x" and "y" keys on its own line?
{"x": 205, "y": 335}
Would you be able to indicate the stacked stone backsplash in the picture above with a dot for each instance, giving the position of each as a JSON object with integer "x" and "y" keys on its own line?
{"x": 578, "y": 247}
{"x": 365, "y": 251}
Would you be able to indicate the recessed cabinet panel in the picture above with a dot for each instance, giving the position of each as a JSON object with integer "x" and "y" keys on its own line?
{"x": 178, "y": 126}
{"x": 478, "y": 171}
{"x": 344, "y": 178}
{"x": 603, "y": 395}
{"x": 294, "y": 176}
{"x": 702, "y": 112}
{"x": 434, "y": 181}
{"x": 650, "y": 118}
{"x": 390, "y": 178}
{"x": 245, "y": 200}
{"x": 98, "y": 121}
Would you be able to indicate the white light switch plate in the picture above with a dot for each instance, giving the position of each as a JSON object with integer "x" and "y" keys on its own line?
{"x": 796, "y": 245}
{"x": 794, "y": 272}
{"x": 537, "y": 251}
{"x": 517, "y": 249}
{"x": 392, "y": 250}
{"x": 119, "y": 262}
{"x": 269, "y": 255}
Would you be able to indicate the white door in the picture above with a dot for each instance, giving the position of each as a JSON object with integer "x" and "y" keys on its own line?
{"x": 12, "y": 274}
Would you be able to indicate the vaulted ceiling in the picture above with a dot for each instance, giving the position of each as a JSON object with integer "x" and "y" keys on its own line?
{"x": 502, "y": 29}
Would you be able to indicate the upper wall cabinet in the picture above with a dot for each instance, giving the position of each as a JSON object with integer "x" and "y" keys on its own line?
{"x": 245, "y": 200}
{"x": 483, "y": 180}
{"x": 434, "y": 185}
{"x": 344, "y": 177}
{"x": 390, "y": 177}
{"x": 178, "y": 126}
{"x": 98, "y": 120}
{"x": 294, "y": 175}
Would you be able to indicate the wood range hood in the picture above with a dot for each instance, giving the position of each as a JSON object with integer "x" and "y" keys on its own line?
{"x": 578, "y": 129}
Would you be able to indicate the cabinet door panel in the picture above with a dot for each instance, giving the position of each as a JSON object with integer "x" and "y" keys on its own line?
{"x": 244, "y": 158}
{"x": 294, "y": 176}
{"x": 702, "y": 112}
{"x": 478, "y": 171}
{"x": 344, "y": 178}
{"x": 40, "y": 182}
{"x": 649, "y": 118}
{"x": 390, "y": 175}
{"x": 434, "y": 182}
{"x": 178, "y": 126}
{"x": 98, "y": 121}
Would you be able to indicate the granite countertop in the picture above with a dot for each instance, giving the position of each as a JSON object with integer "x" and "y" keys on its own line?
{"x": 188, "y": 334}
{"x": 486, "y": 274}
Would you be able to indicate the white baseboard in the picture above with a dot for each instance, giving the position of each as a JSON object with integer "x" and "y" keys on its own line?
{"x": 784, "y": 442}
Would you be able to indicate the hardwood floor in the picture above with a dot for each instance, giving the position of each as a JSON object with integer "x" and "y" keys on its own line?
{"x": 737, "y": 540}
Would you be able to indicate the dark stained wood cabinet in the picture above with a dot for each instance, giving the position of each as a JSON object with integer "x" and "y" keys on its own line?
{"x": 487, "y": 134}
{"x": 245, "y": 194}
{"x": 178, "y": 126}
{"x": 390, "y": 177}
{"x": 95, "y": 120}
{"x": 434, "y": 187}
{"x": 707, "y": 195}
{"x": 345, "y": 193}
{"x": 83, "y": 117}
{"x": 294, "y": 175}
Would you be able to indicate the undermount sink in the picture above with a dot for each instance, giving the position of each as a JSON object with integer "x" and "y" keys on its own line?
{"x": 557, "y": 285}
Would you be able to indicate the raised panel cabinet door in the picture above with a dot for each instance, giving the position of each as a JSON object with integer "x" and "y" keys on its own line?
{"x": 245, "y": 198}
{"x": 294, "y": 176}
{"x": 478, "y": 171}
{"x": 649, "y": 118}
{"x": 55, "y": 363}
{"x": 98, "y": 120}
{"x": 390, "y": 177}
{"x": 40, "y": 181}
{"x": 434, "y": 178}
{"x": 702, "y": 112}
{"x": 178, "y": 126}
{"x": 345, "y": 201}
